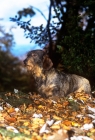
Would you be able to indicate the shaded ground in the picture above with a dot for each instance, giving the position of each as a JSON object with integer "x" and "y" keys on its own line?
{"x": 31, "y": 117}
{"x": 16, "y": 99}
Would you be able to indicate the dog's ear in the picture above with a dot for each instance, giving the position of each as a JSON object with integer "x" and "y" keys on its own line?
{"x": 47, "y": 63}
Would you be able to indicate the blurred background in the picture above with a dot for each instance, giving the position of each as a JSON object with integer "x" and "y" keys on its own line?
{"x": 13, "y": 44}
{"x": 9, "y": 9}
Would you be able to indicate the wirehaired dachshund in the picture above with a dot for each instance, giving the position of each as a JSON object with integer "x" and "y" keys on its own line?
{"x": 51, "y": 82}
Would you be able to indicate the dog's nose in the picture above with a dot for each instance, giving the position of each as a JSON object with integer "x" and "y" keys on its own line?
{"x": 25, "y": 61}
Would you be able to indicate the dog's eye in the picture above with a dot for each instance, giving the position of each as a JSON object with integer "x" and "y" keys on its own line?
{"x": 34, "y": 55}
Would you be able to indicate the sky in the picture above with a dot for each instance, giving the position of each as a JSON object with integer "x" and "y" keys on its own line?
{"x": 9, "y": 8}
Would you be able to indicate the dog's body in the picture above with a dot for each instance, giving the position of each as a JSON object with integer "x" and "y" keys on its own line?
{"x": 49, "y": 81}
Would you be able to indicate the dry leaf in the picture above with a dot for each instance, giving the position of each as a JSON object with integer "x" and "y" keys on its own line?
{"x": 59, "y": 135}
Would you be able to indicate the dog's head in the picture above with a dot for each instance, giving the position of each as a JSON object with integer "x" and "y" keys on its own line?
{"x": 38, "y": 60}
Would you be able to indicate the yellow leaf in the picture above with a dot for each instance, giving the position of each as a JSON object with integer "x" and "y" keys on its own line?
{"x": 26, "y": 123}
{"x": 55, "y": 126}
{"x": 75, "y": 124}
{"x": 57, "y": 118}
{"x": 41, "y": 107}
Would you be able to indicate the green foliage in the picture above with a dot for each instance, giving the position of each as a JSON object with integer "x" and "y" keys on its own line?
{"x": 10, "y": 134}
{"x": 79, "y": 45}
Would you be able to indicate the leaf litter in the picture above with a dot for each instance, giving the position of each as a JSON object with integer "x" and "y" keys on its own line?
{"x": 31, "y": 117}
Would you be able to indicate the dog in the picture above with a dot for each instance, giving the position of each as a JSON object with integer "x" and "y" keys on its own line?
{"x": 51, "y": 82}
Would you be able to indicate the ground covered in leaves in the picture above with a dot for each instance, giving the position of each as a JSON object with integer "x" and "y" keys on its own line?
{"x": 31, "y": 117}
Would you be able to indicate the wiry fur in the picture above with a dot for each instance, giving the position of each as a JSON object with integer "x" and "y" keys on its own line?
{"x": 49, "y": 81}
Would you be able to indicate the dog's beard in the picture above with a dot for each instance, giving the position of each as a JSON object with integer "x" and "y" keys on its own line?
{"x": 35, "y": 70}
{"x": 29, "y": 68}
